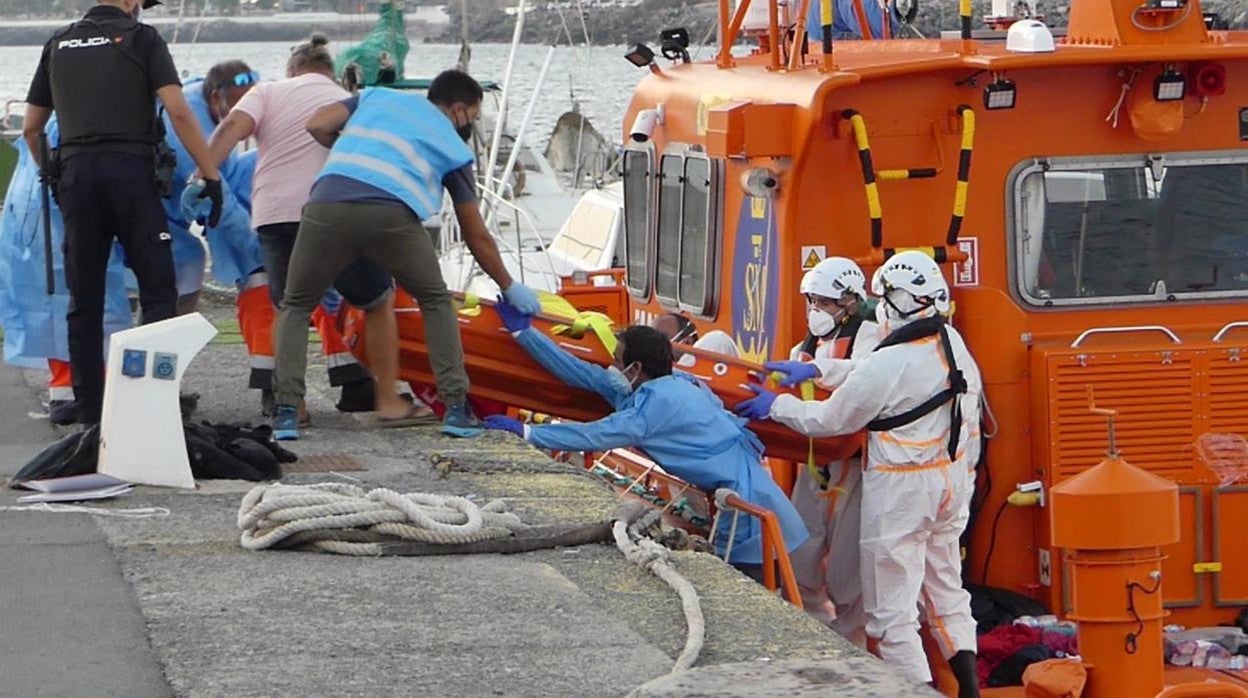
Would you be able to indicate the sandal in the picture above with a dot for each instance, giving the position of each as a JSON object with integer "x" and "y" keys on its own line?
{"x": 416, "y": 416}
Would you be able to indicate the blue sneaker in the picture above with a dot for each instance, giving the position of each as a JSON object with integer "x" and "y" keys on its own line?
{"x": 286, "y": 423}
{"x": 460, "y": 421}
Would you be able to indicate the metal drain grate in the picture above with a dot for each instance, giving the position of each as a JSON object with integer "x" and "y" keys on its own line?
{"x": 323, "y": 463}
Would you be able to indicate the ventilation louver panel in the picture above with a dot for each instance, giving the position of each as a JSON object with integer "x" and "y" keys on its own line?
{"x": 1153, "y": 395}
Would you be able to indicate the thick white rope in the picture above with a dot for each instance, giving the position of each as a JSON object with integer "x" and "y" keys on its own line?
{"x": 50, "y": 507}
{"x": 270, "y": 514}
{"x": 657, "y": 560}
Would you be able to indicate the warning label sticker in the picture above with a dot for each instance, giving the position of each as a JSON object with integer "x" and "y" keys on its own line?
{"x": 967, "y": 273}
{"x": 812, "y": 255}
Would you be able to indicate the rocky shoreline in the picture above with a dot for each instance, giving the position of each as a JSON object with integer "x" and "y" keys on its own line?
{"x": 227, "y": 30}
{"x": 609, "y": 26}
{"x": 488, "y": 24}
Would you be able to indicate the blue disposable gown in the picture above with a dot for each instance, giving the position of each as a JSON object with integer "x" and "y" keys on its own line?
{"x": 845, "y": 21}
{"x": 683, "y": 426}
{"x": 234, "y": 246}
{"x": 34, "y": 323}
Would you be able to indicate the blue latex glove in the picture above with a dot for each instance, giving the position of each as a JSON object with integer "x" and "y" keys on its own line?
{"x": 331, "y": 301}
{"x": 195, "y": 208}
{"x": 757, "y": 407}
{"x": 513, "y": 319}
{"x": 794, "y": 371}
{"x": 523, "y": 298}
{"x": 502, "y": 423}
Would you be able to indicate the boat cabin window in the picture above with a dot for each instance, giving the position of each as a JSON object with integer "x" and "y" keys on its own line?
{"x": 671, "y": 187}
{"x": 1137, "y": 229}
{"x": 687, "y": 214}
{"x": 695, "y": 235}
{"x": 637, "y": 196}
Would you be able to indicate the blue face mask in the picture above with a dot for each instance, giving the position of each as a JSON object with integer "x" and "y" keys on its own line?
{"x": 620, "y": 380}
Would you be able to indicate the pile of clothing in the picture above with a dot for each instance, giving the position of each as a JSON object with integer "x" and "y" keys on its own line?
{"x": 216, "y": 451}
{"x": 1006, "y": 651}
{"x": 1222, "y": 648}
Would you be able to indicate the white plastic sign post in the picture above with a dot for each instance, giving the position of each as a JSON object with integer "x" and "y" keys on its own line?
{"x": 141, "y": 439}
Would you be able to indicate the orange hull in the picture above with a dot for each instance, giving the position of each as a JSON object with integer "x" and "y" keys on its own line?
{"x": 500, "y": 370}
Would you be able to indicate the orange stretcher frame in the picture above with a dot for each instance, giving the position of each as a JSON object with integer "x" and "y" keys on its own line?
{"x": 500, "y": 370}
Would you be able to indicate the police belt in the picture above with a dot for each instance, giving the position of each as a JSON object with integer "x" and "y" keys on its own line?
{"x": 913, "y": 332}
{"x": 140, "y": 148}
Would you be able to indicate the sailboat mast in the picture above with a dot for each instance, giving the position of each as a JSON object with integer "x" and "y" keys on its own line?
{"x": 465, "y": 53}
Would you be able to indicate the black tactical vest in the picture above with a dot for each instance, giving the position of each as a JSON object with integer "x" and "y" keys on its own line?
{"x": 101, "y": 88}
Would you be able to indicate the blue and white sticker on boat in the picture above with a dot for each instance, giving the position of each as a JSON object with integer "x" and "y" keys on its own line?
{"x": 754, "y": 279}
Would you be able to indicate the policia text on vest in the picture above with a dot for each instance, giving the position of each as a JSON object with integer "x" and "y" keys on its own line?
{"x": 101, "y": 75}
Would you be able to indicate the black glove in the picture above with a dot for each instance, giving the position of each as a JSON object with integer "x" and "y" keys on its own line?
{"x": 212, "y": 192}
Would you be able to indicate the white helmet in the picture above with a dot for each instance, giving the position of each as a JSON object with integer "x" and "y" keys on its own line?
{"x": 917, "y": 274}
{"x": 833, "y": 277}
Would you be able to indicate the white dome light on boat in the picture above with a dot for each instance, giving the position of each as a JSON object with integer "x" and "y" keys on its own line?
{"x": 1029, "y": 36}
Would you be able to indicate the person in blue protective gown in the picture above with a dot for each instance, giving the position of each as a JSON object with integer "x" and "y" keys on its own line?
{"x": 673, "y": 417}
{"x": 35, "y": 329}
{"x": 845, "y": 23}
{"x": 234, "y": 246}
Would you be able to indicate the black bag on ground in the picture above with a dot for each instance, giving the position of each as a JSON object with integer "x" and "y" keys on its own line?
{"x": 73, "y": 454}
{"x": 215, "y": 451}
{"x": 235, "y": 452}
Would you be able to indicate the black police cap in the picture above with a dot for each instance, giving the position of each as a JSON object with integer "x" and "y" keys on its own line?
{"x": 149, "y": 4}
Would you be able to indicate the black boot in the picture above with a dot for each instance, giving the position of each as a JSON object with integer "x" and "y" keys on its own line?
{"x": 188, "y": 403}
{"x": 63, "y": 412}
{"x": 360, "y": 396}
{"x": 963, "y": 666}
{"x": 268, "y": 403}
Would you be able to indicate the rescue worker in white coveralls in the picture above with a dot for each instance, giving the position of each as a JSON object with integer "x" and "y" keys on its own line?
{"x": 829, "y": 498}
{"x": 917, "y": 394}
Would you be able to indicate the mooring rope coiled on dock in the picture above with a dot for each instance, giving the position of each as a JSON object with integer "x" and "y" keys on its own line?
{"x": 656, "y": 559}
{"x": 345, "y": 519}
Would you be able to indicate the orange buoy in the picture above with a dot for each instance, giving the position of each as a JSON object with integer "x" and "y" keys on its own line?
{"x": 1113, "y": 519}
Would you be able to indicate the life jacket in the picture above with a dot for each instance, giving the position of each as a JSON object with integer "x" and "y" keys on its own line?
{"x": 913, "y": 332}
{"x": 399, "y": 143}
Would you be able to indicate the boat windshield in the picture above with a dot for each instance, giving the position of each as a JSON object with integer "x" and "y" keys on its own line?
{"x": 1138, "y": 229}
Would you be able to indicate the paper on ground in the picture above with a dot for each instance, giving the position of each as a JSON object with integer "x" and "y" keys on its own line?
{"x": 77, "y": 495}
{"x": 88, "y": 481}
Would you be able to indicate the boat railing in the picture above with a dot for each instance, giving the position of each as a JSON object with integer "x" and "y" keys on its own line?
{"x": 453, "y": 241}
{"x": 774, "y": 555}
{"x": 7, "y": 122}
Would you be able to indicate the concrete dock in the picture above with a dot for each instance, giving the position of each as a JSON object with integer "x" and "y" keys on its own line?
{"x": 106, "y": 606}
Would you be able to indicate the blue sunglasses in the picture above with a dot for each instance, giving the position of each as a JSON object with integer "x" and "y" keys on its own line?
{"x": 248, "y": 78}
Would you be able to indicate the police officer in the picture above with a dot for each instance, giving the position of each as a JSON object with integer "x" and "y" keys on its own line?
{"x": 100, "y": 75}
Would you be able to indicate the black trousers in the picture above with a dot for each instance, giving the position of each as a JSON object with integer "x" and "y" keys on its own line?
{"x": 106, "y": 196}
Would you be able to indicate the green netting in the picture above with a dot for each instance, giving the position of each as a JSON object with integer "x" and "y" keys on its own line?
{"x": 388, "y": 36}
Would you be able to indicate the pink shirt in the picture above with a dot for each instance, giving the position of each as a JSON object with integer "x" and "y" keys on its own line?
{"x": 289, "y": 158}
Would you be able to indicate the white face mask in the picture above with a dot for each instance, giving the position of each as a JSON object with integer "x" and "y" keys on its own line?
{"x": 820, "y": 322}
{"x": 620, "y": 380}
